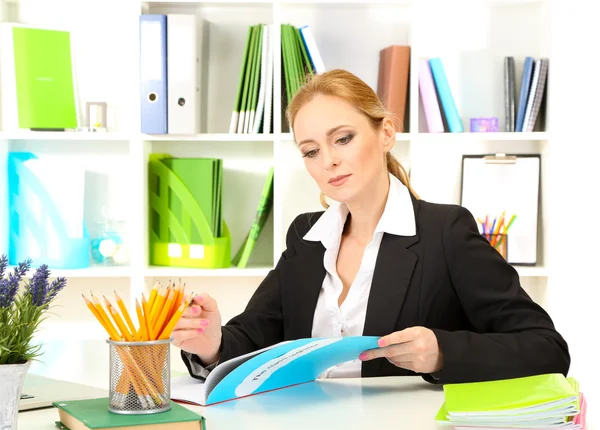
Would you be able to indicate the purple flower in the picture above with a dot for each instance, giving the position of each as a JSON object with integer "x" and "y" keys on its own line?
{"x": 3, "y": 264}
{"x": 41, "y": 291}
{"x": 10, "y": 286}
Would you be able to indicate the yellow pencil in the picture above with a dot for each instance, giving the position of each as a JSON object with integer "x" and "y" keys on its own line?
{"x": 125, "y": 314}
{"x": 160, "y": 321}
{"x": 105, "y": 317}
{"x": 166, "y": 333}
{"x": 161, "y": 297}
{"x": 113, "y": 336}
{"x": 142, "y": 321}
{"x": 153, "y": 294}
{"x": 122, "y": 327}
{"x": 146, "y": 309}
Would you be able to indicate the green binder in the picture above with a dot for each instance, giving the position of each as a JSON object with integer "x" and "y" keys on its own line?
{"x": 44, "y": 78}
{"x": 94, "y": 414}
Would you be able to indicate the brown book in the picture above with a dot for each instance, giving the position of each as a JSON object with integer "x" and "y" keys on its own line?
{"x": 392, "y": 85}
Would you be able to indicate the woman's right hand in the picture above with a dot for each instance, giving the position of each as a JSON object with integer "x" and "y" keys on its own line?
{"x": 199, "y": 329}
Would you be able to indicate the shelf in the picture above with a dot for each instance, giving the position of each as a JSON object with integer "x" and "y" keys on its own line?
{"x": 400, "y": 137}
{"x": 64, "y": 135}
{"x": 184, "y": 272}
{"x": 88, "y": 272}
{"x": 210, "y": 137}
{"x": 530, "y": 272}
{"x": 482, "y": 137}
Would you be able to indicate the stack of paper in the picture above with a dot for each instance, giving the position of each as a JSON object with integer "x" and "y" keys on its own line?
{"x": 535, "y": 402}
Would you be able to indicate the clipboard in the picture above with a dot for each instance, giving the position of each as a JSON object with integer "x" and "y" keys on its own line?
{"x": 494, "y": 183}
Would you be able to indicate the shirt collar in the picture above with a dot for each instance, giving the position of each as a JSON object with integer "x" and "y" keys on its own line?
{"x": 398, "y": 217}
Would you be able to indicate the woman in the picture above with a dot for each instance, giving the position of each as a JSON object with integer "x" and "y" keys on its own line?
{"x": 380, "y": 262}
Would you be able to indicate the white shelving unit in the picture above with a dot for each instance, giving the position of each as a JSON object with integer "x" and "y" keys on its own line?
{"x": 350, "y": 35}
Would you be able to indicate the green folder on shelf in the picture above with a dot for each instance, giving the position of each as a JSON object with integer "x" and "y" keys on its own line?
{"x": 186, "y": 219}
{"x": 541, "y": 401}
{"x": 262, "y": 213}
{"x": 41, "y": 70}
{"x": 94, "y": 414}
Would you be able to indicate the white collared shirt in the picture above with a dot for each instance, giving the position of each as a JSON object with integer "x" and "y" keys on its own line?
{"x": 331, "y": 320}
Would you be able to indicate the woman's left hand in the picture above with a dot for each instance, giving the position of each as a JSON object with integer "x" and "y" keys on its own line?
{"x": 414, "y": 348}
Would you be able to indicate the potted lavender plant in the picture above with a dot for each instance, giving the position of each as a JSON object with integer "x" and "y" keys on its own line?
{"x": 21, "y": 312}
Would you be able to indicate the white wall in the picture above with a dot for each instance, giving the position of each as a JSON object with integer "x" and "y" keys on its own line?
{"x": 572, "y": 255}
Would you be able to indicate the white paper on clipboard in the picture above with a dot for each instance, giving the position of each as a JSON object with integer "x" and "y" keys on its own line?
{"x": 511, "y": 183}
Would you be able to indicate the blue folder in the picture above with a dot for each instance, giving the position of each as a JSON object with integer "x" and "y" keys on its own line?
{"x": 153, "y": 74}
{"x": 525, "y": 84}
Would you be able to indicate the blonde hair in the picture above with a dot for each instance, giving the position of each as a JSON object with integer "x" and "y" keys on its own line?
{"x": 345, "y": 85}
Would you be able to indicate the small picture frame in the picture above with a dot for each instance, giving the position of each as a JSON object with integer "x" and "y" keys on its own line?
{"x": 95, "y": 116}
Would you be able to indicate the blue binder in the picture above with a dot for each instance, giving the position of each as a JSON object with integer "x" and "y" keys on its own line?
{"x": 446, "y": 99}
{"x": 525, "y": 84}
{"x": 153, "y": 74}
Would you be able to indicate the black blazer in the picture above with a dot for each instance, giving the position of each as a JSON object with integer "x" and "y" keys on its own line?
{"x": 447, "y": 278}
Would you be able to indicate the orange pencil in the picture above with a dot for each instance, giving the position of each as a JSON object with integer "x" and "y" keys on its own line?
{"x": 160, "y": 321}
{"x": 105, "y": 317}
{"x": 122, "y": 327}
{"x": 112, "y": 335}
{"x": 166, "y": 333}
{"x": 125, "y": 314}
{"x": 143, "y": 332}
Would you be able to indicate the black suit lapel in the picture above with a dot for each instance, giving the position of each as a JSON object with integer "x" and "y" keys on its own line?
{"x": 308, "y": 274}
{"x": 391, "y": 278}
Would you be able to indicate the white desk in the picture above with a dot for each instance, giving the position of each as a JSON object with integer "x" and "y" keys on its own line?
{"x": 383, "y": 403}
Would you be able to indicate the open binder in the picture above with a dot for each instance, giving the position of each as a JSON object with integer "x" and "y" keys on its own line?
{"x": 497, "y": 183}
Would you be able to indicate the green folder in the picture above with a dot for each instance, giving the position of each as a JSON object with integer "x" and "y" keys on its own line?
{"x": 255, "y": 78}
{"x": 94, "y": 413}
{"x": 201, "y": 176}
{"x": 509, "y": 394}
{"x": 238, "y": 98}
{"x": 247, "y": 80}
{"x": 262, "y": 213}
{"x": 44, "y": 78}
{"x": 541, "y": 400}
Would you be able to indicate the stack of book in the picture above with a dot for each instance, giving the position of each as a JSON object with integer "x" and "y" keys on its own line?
{"x": 523, "y": 117}
{"x": 540, "y": 402}
{"x": 392, "y": 83}
{"x": 441, "y": 113}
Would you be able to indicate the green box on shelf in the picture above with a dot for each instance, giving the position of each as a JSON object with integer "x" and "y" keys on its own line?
{"x": 186, "y": 225}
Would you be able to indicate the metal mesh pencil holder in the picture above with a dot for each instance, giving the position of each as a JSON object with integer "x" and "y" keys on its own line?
{"x": 140, "y": 377}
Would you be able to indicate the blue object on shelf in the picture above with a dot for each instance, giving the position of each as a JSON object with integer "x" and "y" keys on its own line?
{"x": 73, "y": 253}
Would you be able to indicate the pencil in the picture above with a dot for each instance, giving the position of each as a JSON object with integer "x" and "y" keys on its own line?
{"x": 120, "y": 324}
{"x": 125, "y": 314}
{"x": 166, "y": 333}
{"x": 105, "y": 318}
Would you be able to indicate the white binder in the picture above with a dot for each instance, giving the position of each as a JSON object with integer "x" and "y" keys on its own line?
{"x": 184, "y": 33}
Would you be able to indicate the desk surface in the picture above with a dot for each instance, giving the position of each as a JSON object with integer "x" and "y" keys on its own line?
{"x": 326, "y": 404}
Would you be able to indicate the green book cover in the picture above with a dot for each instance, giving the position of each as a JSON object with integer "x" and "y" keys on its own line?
{"x": 44, "y": 79}
{"x": 515, "y": 394}
{"x": 286, "y": 62}
{"x": 94, "y": 413}
{"x": 198, "y": 175}
{"x": 238, "y": 97}
{"x": 262, "y": 213}
{"x": 307, "y": 65}
{"x": 253, "y": 99}
{"x": 247, "y": 79}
